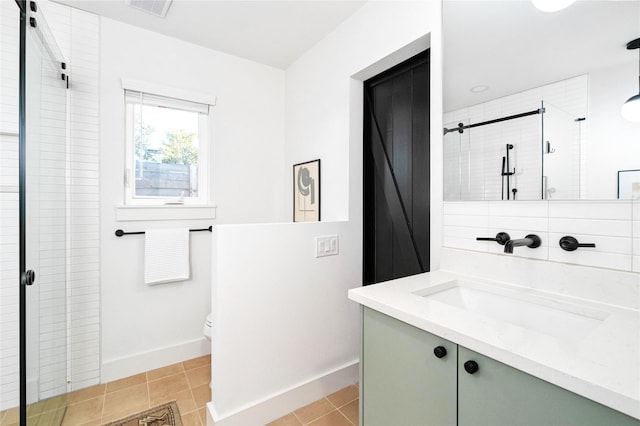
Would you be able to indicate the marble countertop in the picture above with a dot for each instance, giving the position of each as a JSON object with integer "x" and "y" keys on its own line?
{"x": 603, "y": 365}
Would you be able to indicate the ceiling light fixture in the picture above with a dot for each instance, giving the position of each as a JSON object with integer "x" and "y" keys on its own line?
{"x": 631, "y": 109}
{"x": 552, "y": 5}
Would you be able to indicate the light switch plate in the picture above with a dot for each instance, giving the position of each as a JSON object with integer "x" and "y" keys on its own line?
{"x": 327, "y": 246}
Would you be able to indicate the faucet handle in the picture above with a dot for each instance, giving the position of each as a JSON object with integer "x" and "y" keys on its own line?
{"x": 501, "y": 238}
{"x": 569, "y": 243}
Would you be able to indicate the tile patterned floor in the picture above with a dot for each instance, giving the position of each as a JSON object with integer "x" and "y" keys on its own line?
{"x": 338, "y": 409}
{"x": 186, "y": 382}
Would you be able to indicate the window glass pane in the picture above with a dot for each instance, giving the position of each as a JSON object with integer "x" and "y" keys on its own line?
{"x": 166, "y": 149}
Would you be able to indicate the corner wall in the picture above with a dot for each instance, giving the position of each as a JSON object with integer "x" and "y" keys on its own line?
{"x": 143, "y": 326}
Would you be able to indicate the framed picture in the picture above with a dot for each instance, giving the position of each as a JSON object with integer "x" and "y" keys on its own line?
{"x": 306, "y": 191}
{"x": 628, "y": 184}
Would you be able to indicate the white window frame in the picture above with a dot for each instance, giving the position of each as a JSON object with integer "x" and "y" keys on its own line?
{"x": 204, "y": 148}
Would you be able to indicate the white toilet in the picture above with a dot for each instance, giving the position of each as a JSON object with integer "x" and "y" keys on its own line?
{"x": 206, "y": 328}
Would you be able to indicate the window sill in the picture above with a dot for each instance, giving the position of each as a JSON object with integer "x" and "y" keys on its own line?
{"x": 180, "y": 212}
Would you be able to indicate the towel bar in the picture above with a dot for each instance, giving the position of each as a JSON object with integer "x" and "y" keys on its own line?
{"x": 120, "y": 232}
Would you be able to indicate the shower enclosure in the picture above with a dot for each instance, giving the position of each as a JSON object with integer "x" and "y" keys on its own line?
{"x": 527, "y": 156}
{"x": 34, "y": 199}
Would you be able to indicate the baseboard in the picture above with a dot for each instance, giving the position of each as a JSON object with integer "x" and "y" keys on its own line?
{"x": 119, "y": 368}
{"x": 278, "y": 405}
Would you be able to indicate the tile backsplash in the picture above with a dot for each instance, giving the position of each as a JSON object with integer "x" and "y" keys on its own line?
{"x": 613, "y": 226}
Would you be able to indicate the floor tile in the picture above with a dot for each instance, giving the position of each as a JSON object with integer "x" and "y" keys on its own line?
{"x": 201, "y": 395}
{"x": 343, "y": 396}
{"x": 12, "y": 416}
{"x": 199, "y": 376}
{"x": 126, "y": 401}
{"x": 288, "y": 420}
{"x": 191, "y": 419}
{"x": 350, "y": 411}
{"x": 47, "y": 418}
{"x": 202, "y": 413}
{"x": 169, "y": 370}
{"x": 184, "y": 399}
{"x": 334, "y": 418}
{"x": 197, "y": 362}
{"x": 162, "y": 389}
{"x": 126, "y": 382}
{"x": 84, "y": 411}
{"x": 314, "y": 410}
{"x": 85, "y": 394}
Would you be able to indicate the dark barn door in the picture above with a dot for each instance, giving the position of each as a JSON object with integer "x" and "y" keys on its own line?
{"x": 396, "y": 171}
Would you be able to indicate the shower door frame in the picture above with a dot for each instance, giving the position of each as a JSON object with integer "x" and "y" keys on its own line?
{"x": 22, "y": 212}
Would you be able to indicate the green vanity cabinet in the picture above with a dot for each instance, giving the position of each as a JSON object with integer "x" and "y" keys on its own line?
{"x": 499, "y": 395}
{"x": 404, "y": 383}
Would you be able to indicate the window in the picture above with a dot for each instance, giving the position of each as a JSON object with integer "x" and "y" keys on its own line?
{"x": 167, "y": 158}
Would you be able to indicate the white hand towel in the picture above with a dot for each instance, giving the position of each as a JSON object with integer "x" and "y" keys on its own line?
{"x": 166, "y": 255}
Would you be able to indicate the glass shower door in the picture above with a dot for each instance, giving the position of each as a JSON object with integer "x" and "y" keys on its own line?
{"x": 561, "y": 154}
{"x": 44, "y": 186}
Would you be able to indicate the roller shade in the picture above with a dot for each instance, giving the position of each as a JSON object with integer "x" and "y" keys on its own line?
{"x": 136, "y": 97}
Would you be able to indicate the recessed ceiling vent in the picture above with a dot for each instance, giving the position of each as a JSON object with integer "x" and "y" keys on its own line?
{"x": 154, "y": 7}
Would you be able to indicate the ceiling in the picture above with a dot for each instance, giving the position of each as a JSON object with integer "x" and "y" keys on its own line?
{"x": 274, "y": 33}
{"x": 510, "y": 46}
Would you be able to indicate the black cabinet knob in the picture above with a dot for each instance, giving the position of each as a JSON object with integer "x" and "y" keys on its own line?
{"x": 440, "y": 351}
{"x": 471, "y": 367}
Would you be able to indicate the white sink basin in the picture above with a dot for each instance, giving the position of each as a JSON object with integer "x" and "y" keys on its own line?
{"x": 534, "y": 312}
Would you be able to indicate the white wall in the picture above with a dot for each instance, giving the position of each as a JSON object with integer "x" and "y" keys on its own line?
{"x": 291, "y": 331}
{"x": 320, "y": 88}
{"x": 281, "y": 318}
{"x": 146, "y": 327}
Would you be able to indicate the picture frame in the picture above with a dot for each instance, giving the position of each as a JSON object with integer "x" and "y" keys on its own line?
{"x": 628, "y": 184}
{"x": 306, "y": 191}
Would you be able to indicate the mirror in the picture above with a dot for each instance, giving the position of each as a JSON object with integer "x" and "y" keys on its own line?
{"x": 532, "y": 100}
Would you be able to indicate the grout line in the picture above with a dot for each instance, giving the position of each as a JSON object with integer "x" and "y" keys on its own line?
{"x": 297, "y": 418}
{"x": 146, "y": 376}
{"x": 104, "y": 401}
{"x": 345, "y": 416}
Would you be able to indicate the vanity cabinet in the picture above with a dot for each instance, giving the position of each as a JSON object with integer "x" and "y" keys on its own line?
{"x": 404, "y": 382}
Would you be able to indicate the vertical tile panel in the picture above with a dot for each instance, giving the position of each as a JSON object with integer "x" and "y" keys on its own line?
{"x": 9, "y": 75}
{"x": 84, "y": 183}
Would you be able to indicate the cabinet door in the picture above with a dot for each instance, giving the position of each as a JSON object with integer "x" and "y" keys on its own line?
{"x": 498, "y": 395}
{"x": 403, "y": 382}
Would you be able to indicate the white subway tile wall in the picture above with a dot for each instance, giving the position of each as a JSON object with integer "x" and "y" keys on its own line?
{"x": 68, "y": 260}
{"x": 614, "y": 226}
{"x": 9, "y": 73}
{"x": 78, "y": 34}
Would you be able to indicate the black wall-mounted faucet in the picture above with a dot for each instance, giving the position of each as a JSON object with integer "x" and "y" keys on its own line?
{"x": 531, "y": 241}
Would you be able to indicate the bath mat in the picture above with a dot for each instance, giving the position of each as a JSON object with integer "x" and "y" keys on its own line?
{"x": 163, "y": 415}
